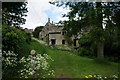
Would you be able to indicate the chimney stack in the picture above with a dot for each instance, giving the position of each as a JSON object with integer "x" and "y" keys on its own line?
{"x": 48, "y": 19}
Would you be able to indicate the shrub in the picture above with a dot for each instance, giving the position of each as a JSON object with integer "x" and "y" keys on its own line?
{"x": 85, "y": 52}
{"x": 85, "y": 40}
{"x": 14, "y": 39}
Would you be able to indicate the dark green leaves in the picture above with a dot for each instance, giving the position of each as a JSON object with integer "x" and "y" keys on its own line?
{"x": 13, "y": 13}
{"x": 36, "y": 31}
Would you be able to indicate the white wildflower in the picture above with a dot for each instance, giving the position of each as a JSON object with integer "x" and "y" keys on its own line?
{"x": 35, "y": 64}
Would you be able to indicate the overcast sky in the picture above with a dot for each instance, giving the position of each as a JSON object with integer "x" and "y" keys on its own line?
{"x": 39, "y": 11}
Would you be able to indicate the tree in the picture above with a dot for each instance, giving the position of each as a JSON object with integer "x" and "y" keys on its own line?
{"x": 36, "y": 31}
{"x": 90, "y": 16}
{"x": 13, "y": 13}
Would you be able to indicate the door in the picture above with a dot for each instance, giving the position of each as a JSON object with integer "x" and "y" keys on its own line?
{"x": 53, "y": 41}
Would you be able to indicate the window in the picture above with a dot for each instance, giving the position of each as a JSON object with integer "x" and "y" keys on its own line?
{"x": 63, "y": 41}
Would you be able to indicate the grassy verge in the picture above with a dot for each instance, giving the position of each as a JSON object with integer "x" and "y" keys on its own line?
{"x": 38, "y": 47}
{"x": 68, "y": 65}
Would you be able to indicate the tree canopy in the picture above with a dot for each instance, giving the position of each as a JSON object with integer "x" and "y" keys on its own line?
{"x": 13, "y": 13}
{"x": 36, "y": 31}
{"x": 97, "y": 18}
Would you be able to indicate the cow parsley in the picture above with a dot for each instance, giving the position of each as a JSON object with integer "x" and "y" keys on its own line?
{"x": 36, "y": 66}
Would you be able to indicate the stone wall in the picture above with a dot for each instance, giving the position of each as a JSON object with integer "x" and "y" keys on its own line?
{"x": 58, "y": 38}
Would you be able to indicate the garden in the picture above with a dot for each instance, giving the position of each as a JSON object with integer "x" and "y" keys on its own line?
{"x": 97, "y": 57}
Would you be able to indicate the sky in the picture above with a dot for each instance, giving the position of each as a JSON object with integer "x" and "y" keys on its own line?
{"x": 39, "y": 11}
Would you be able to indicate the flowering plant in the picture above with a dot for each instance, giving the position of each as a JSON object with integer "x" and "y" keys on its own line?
{"x": 9, "y": 63}
{"x": 9, "y": 59}
{"x": 36, "y": 66}
{"x": 100, "y": 77}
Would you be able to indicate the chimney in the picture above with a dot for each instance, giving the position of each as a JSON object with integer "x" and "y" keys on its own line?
{"x": 52, "y": 22}
{"x": 48, "y": 19}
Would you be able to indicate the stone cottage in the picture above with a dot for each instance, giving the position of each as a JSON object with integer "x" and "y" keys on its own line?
{"x": 53, "y": 35}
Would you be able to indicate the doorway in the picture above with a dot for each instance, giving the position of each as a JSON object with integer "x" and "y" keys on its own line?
{"x": 53, "y": 41}
{"x": 63, "y": 41}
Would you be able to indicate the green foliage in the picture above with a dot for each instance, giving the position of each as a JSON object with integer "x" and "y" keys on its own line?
{"x": 13, "y": 13}
{"x": 98, "y": 35}
{"x": 28, "y": 37}
{"x": 86, "y": 46}
{"x": 88, "y": 15}
{"x": 112, "y": 50}
{"x": 72, "y": 27}
{"x": 85, "y": 52}
{"x": 85, "y": 39}
{"x": 69, "y": 40}
{"x": 36, "y": 31}
{"x": 14, "y": 39}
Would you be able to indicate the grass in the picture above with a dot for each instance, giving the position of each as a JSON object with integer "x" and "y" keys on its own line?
{"x": 38, "y": 47}
{"x": 68, "y": 65}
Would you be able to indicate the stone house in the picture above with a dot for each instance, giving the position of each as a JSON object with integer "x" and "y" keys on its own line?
{"x": 54, "y": 35}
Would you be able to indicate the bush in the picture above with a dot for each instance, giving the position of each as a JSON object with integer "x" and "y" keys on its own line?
{"x": 85, "y": 52}
{"x": 14, "y": 42}
{"x": 112, "y": 51}
{"x": 85, "y": 40}
{"x": 14, "y": 39}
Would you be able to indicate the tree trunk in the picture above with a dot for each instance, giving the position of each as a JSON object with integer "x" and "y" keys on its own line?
{"x": 100, "y": 50}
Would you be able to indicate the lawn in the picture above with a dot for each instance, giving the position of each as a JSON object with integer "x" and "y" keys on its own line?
{"x": 68, "y": 65}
